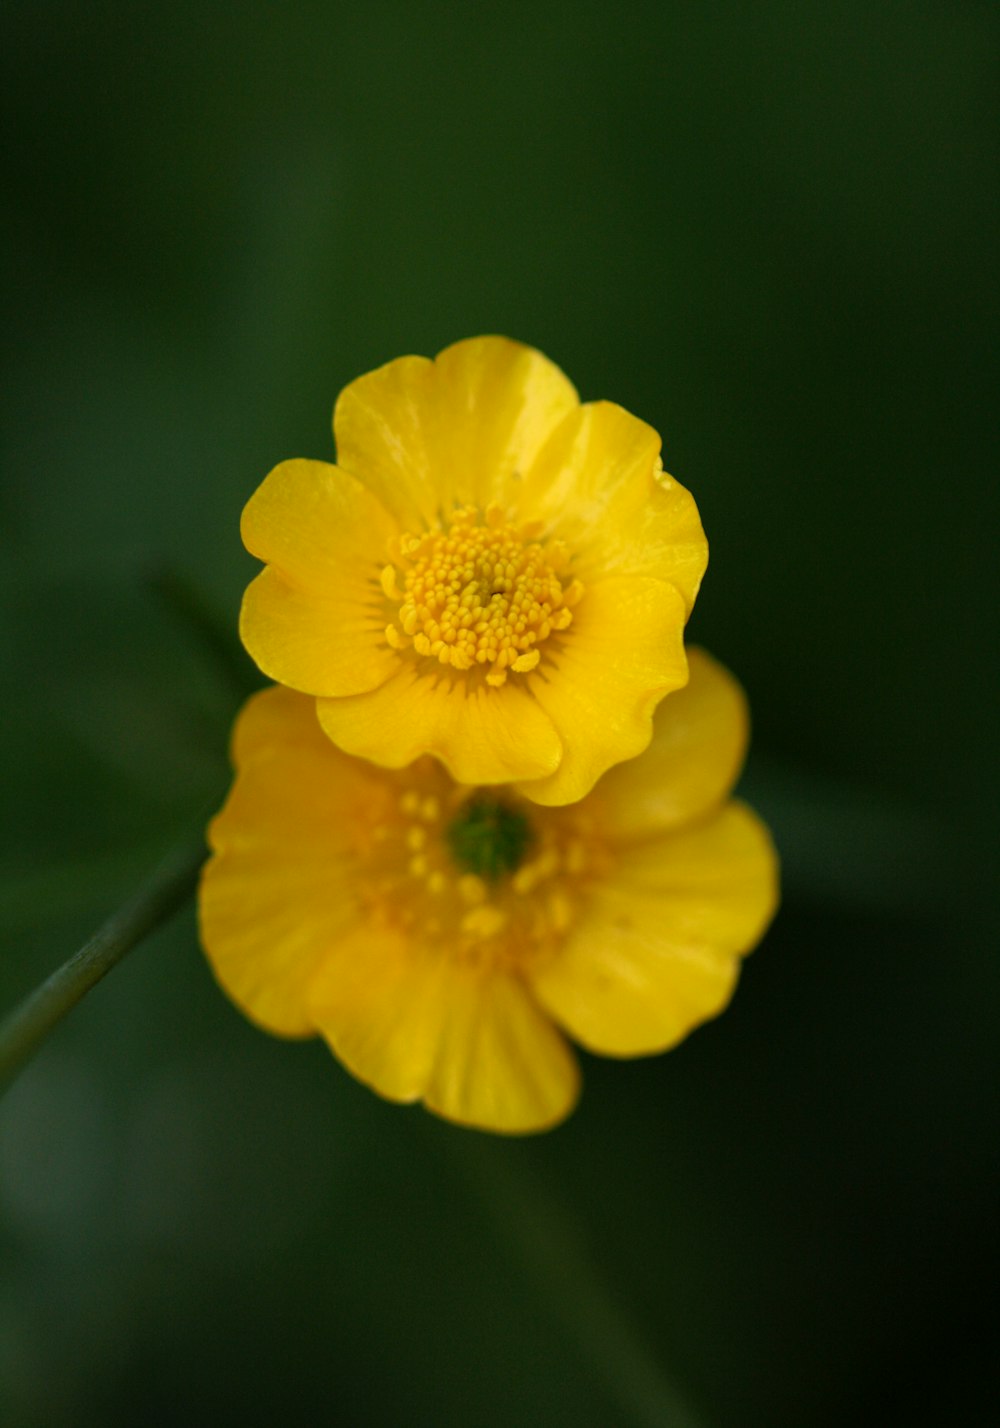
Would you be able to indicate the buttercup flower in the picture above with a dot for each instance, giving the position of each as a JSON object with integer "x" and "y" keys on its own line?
{"x": 493, "y": 573}
{"x": 443, "y": 938}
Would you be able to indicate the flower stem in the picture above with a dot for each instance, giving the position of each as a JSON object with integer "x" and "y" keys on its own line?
{"x": 557, "y": 1259}
{"x": 28, "y": 1025}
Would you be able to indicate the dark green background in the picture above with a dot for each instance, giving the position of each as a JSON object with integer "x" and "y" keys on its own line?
{"x": 766, "y": 229}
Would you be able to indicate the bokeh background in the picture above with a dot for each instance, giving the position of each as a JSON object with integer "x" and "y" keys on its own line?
{"x": 768, "y": 230}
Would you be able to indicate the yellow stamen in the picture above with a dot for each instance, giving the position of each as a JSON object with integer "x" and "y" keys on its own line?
{"x": 527, "y": 878}
{"x": 560, "y": 911}
{"x": 395, "y": 639}
{"x": 483, "y": 921}
{"x": 411, "y": 877}
{"x": 479, "y": 593}
{"x": 388, "y": 578}
{"x": 472, "y": 888}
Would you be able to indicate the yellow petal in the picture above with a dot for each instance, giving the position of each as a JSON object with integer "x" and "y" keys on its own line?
{"x": 497, "y": 404}
{"x": 482, "y": 735}
{"x": 716, "y": 880}
{"x": 276, "y": 892}
{"x": 315, "y": 618}
{"x": 381, "y": 1004}
{"x": 656, "y": 951}
{"x": 501, "y": 1064}
{"x": 463, "y": 429}
{"x": 599, "y": 483}
{"x": 414, "y": 1025}
{"x": 698, "y": 745}
{"x": 381, "y": 427}
{"x": 623, "y": 652}
{"x": 328, "y": 644}
{"x": 307, "y": 518}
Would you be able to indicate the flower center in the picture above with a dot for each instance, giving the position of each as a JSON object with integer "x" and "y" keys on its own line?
{"x": 489, "y": 838}
{"x": 476, "y": 877}
{"x": 479, "y": 594}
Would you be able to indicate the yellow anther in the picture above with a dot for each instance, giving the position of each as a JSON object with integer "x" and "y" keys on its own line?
{"x": 483, "y": 921}
{"x": 388, "y": 578}
{"x": 410, "y": 801}
{"x": 430, "y": 809}
{"x": 437, "y": 883}
{"x": 394, "y": 639}
{"x": 419, "y": 866}
{"x": 549, "y": 862}
{"x": 524, "y": 879}
{"x": 472, "y": 888}
{"x": 527, "y": 878}
{"x": 416, "y": 838}
{"x": 560, "y": 911}
{"x": 479, "y": 591}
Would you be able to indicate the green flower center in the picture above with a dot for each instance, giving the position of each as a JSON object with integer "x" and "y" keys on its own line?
{"x": 489, "y": 838}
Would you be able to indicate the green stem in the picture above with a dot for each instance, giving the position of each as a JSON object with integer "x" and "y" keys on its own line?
{"x": 29, "y": 1024}
{"x": 564, "y": 1272}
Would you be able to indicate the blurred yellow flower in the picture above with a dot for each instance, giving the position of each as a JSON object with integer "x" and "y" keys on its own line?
{"x": 443, "y": 938}
{"x": 493, "y": 573}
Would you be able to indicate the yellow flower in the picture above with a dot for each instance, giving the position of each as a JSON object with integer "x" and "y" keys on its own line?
{"x": 493, "y": 573}
{"x": 443, "y": 938}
